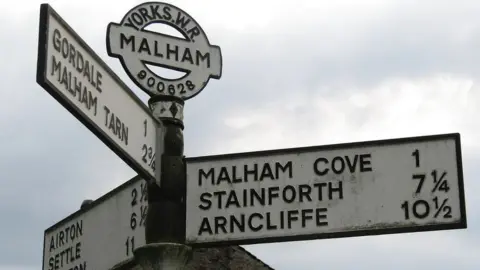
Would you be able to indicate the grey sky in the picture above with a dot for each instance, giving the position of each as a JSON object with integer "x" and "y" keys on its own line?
{"x": 294, "y": 75}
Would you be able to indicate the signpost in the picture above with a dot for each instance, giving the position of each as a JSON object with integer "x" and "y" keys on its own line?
{"x": 137, "y": 47}
{"x": 77, "y": 78}
{"x": 364, "y": 188}
{"x": 368, "y": 188}
{"x": 102, "y": 235}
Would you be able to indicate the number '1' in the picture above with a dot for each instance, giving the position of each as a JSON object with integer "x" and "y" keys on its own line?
{"x": 145, "y": 128}
{"x": 416, "y": 155}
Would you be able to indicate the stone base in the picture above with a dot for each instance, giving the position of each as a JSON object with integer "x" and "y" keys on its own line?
{"x": 163, "y": 256}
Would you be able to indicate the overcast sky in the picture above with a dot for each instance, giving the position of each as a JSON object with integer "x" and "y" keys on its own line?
{"x": 295, "y": 73}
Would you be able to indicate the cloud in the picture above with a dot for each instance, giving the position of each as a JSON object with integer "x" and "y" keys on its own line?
{"x": 395, "y": 107}
{"x": 295, "y": 74}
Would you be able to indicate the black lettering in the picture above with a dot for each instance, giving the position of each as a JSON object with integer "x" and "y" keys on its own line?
{"x": 78, "y": 250}
{"x": 145, "y": 15}
{"x": 365, "y": 163}
{"x": 201, "y": 58}
{"x": 317, "y": 170}
{"x": 220, "y": 223}
{"x": 336, "y": 161}
{"x": 272, "y": 193}
{"x": 181, "y": 22}
{"x": 240, "y": 224}
{"x": 80, "y": 64}
{"x": 70, "y": 230}
{"x": 78, "y": 88}
{"x": 57, "y": 261}
{"x": 287, "y": 168}
{"x": 291, "y": 216}
{"x": 52, "y": 244}
{"x": 187, "y": 56}
{"x": 332, "y": 190}
{"x": 166, "y": 13}
{"x": 232, "y": 199}
{"x": 266, "y": 172}
{"x": 156, "y": 51}
{"x": 65, "y": 47}
{"x": 219, "y": 195}
{"x": 235, "y": 178}
{"x": 70, "y": 89}
{"x": 92, "y": 102}
{"x": 129, "y": 23}
{"x": 307, "y": 214}
{"x": 223, "y": 176}
{"x": 205, "y": 227}
{"x": 79, "y": 228}
{"x": 193, "y": 32}
{"x": 64, "y": 80}
{"x": 137, "y": 19}
{"x": 248, "y": 172}
{"x": 320, "y": 189}
{"x": 99, "y": 82}
{"x": 124, "y": 133}
{"x": 352, "y": 165}
{"x": 56, "y": 40}
{"x": 84, "y": 97}
{"x": 72, "y": 55}
{"x": 304, "y": 191}
{"x": 124, "y": 41}
{"x": 269, "y": 222}
{"x": 259, "y": 197}
{"x": 155, "y": 13}
{"x": 250, "y": 222}
{"x": 245, "y": 200}
{"x": 107, "y": 112}
{"x": 86, "y": 71}
{"x": 144, "y": 46}
{"x": 292, "y": 194}
{"x": 319, "y": 217}
{"x": 56, "y": 67}
{"x": 210, "y": 174}
{"x": 282, "y": 218}
{"x": 111, "y": 126}
{"x": 151, "y": 81}
{"x": 90, "y": 78}
{"x": 60, "y": 237}
{"x": 172, "y": 51}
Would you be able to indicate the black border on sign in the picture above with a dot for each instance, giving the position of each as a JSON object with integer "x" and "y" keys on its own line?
{"x": 461, "y": 224}
{"x": 45, "y": 11}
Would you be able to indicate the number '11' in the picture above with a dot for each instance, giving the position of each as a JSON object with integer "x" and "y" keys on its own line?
{"x": 130, "y": 245}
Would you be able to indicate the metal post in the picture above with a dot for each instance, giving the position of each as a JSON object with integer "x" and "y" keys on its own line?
{"x": 165, "y": 221}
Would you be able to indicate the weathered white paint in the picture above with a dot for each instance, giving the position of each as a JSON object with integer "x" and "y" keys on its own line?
{"x": 371, "y": 199}
{"x": 114, "y": 95}
{"x": 106, "y": 228}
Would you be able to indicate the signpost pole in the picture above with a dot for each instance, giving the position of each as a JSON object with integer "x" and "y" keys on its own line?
{"x": 165, "y": 221}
